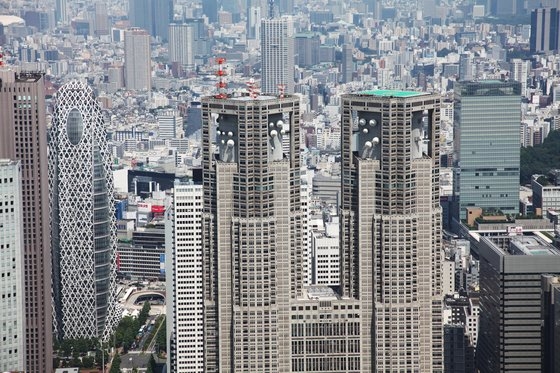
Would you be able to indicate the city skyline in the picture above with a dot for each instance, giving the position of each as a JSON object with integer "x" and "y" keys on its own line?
{"x": 293, "y": 186}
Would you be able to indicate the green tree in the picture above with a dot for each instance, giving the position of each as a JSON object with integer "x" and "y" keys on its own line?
{"x": 151, "y": 365}
{"x": 144, "y": 313}
{"x": 87, "y": 362}
{"x": 540, "y": 159}
{"x": 161, "y": 338}
{"x": 99, "y": 359}
{"x": 116, "y": 364}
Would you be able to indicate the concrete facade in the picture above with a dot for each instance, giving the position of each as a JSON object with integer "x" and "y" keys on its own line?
{"x": 510, "y": 333}
{"x": 12, "y": 311}
{"x": 391, "y": 248}
{"x": 23, "y": 136}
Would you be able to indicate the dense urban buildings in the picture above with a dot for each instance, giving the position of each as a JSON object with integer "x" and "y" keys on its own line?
{"x": 12, "y": 311}
{"x": 277, "y": 51}
{"x": 486, "y": 141}
{"x": 511, "y": 336}
{"x": 340, "y": 47}
{"x": 390, "y": 219}
{"x": 23, "y": 137}
{"x": 83, "y": 230}
{"x": 184, "y": 279}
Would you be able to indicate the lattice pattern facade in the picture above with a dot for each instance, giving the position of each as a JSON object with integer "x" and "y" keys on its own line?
{"x": 82, "y": 217}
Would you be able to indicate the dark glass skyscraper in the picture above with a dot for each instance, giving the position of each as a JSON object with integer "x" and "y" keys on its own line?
{"x": 210, "y": 10}
{"x": 153, "y": 16}
{"x": 486, "y": 140}
{"x": 545, "y": 30}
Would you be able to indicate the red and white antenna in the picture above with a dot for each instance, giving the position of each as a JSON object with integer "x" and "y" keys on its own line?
{"x": 281, "y": 90}
{"x": 221, "y": 85}
{"x": 252, "y": 88}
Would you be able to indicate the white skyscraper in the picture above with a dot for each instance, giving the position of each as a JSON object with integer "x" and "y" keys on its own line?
{"x": 169, "y": 124}
{"x": 520, "y": 70}
{"x": 277, "y": 54}
{"x": 184, "y": 260}
{"x": 12, "y": 336}
{"x": 83, "y": 229}
{"x": 137, "y": 60}
{"x": 181, "y": 44}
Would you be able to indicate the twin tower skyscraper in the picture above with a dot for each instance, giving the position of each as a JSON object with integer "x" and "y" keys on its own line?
{"x": 386, "y": 313}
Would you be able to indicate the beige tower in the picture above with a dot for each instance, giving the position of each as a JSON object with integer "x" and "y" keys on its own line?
{"x": 23, "y": 137}
{"x": 252, "y": 231}
{"x": 391, "y": 227}
{"x": 137, "y": 60}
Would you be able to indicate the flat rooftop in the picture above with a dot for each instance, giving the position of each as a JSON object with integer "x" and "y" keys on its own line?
{"x": 249, "y": 98}
{"x": 393, "y": 93}
{"x": 319, "y": 292}
{"x": 531, "y": 245}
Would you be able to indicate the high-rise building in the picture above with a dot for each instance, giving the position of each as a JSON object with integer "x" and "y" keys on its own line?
{"x": 210, "y": 10}
{"x": 325, "y": 254}
{"x": 466, "y": 67}
{"x": 100, "y": 19}
{"x": 168, "y": 123}
{"x": 184, "y": 261}
{"x": 252, "y": 232}
{"x": 486, "y": 139}
{"x": 23, "y": 137}
{"x": 391, "y": 227}
{"x": 181, "y": 45}
{"x": 285, "y": 6}
{"x": 61, "y": 12}
{"x": 520, "y": 70}
{"x": 307, "y": 45}
{"x": 83, "y": 228}
{"x": 455, "y": 349}
{"x": 11, "y": 265}
{"x": 551, "y": 323}
{"x": 373, "y": 8}
{"x": 154, "y": 16}
{"x": 386, "y": 313}
{"x": 254, "y": 22}
{"x": 510, "y": 338}
{"x": 507, "y": 8}
{"x": 137, "y": 60}
{"x": 277, "y": 53}
{"x": 347, "y": 67}
{"x": 545, "y": 30}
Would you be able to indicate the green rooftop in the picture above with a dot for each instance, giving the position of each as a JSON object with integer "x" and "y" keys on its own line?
{"x": 392, "y": 93}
